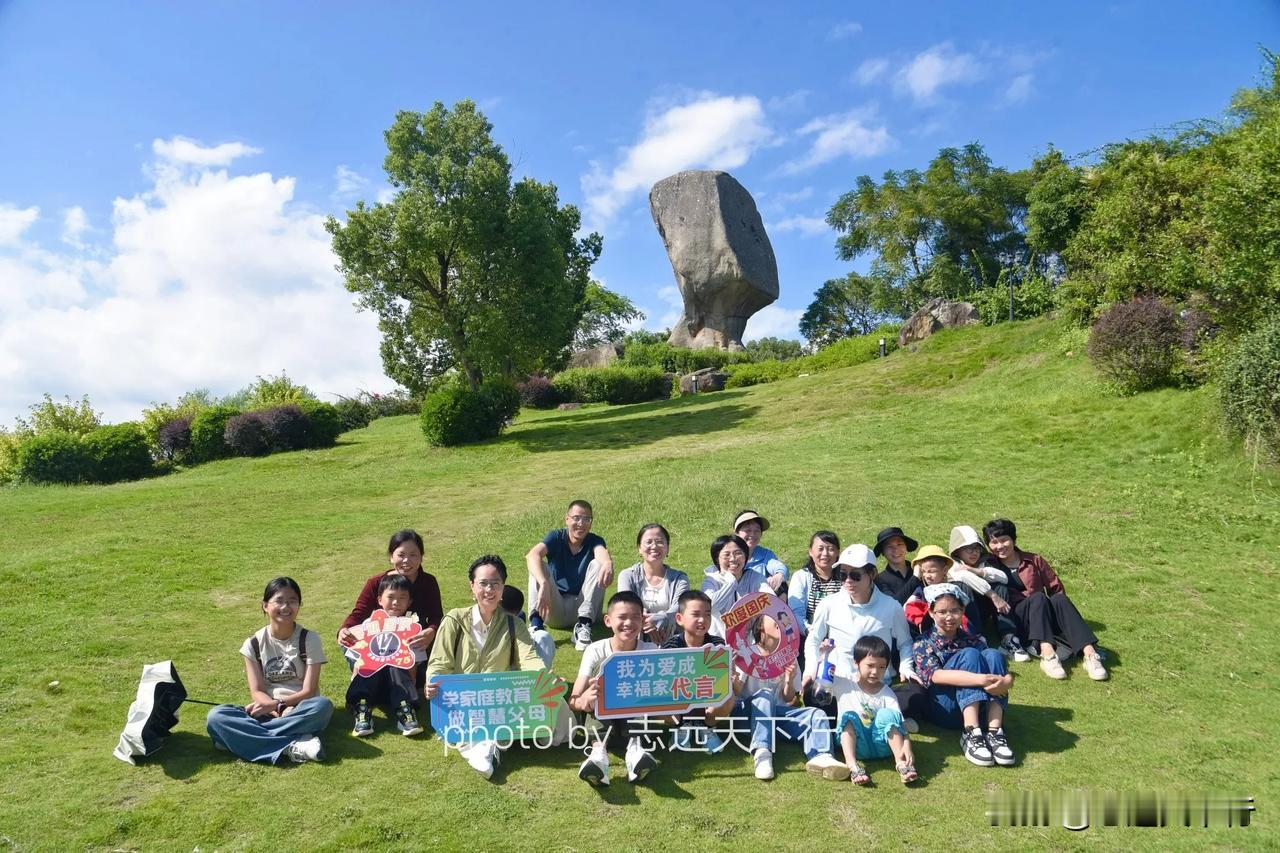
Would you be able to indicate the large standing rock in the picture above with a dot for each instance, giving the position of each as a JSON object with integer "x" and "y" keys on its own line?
{"x": 722, "y": 258}
{"x": 936, "y": 314}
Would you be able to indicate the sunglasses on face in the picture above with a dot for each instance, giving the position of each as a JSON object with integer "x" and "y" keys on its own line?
{"x": 854, "y": 575}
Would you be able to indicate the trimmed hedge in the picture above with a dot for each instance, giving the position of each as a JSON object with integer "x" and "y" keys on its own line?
{"x": 56, "y": 456}
{"x": 614, "y": 385}
{"x": 207, "y": 430}
{"x": 457, "y": 415}
{"x": 502, "y": 398}
{"x": 1249, "y": 388}
{"x": 247, "y": 435}
{"x": 287, "y": 427}
{"x": 353, "y": 414}
{"x": 118, "y": 452}
{"x": 324, "y": 423}
{"x": 667, "y": 358}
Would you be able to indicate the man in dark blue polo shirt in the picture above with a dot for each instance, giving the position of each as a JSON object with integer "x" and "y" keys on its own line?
{"x": 569, "y": 571}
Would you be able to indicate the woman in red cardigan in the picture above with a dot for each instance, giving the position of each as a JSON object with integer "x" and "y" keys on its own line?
{"x": 404, "y": 553}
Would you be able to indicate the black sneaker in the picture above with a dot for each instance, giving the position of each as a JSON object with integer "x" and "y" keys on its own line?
{"x": 975, "y": 747}
{"x": 999, "y": 746}
{"x": 407, "y": 720}
{"x": 363, "y": 720}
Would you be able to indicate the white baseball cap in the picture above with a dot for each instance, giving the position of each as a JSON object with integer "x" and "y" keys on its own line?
{"x": 857, "y": 556}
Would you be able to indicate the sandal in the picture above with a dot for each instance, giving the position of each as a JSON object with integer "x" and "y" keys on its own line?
{"x": 858, "y": 774}
{"x": 907, "y": 771}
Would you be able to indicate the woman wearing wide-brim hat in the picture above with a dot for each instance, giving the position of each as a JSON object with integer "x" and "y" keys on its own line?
{"x": 896, "y": 579}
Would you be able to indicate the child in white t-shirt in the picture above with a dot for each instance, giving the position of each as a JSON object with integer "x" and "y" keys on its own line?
{"x": 871, "y": 724}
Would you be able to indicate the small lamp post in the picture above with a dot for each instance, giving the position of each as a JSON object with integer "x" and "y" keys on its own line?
{"x": 882, "y": 347}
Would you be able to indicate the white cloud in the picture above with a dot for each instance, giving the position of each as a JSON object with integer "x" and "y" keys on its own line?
{"x": 870, "y": 71}
{"x": 14, "y": 221}
{"x": 74, "y": 225}
{"x": 809, "y": 226}
{"x": 189, "y": 152}
{"x": 773, "y": 321}
{"x": 853, "y": 134}
{"x": 1020, "y": 88}
{"x": 211, "y": 279}
{"x": 935, "y": 68}
{"x": 710, "y": 132}
{"x": 348, "y": 183}
{"x": 844, "y": 30}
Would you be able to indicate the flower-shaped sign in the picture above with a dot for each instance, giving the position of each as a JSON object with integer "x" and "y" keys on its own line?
{"x": 383, "y": 640}
{"x": 749, "y": 655}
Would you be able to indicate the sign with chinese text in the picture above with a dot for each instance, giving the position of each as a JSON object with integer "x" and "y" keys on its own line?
{"x": 501, "y": 706}
{"x": 740, "y": 635}
{"x": 383, "y": 640}
{"x": 663, "y": 681}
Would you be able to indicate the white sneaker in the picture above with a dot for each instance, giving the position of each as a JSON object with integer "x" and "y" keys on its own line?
{"x": 763, "y": 759}
{"x": 911, "y": 724}
{"x": 305, "y": 750}
{"x": 1053, "y": 667}
{"x": 581, "y": 637}
{"x": 482, "y": 756}
{"x": 1013, "y": 650}
{"x": 595, "y": 769}
{"x": 1093, "y": 666}
{"x": 826, "y": 766}
{"x": 639, "y": 762}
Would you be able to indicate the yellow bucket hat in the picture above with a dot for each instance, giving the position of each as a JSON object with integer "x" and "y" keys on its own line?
{"x": 932, "y": 551}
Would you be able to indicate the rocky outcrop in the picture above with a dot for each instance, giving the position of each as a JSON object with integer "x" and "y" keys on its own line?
{"x": 600, "y": 356}
{"x": 936, "y": 314}
{"x": 721, "y": 256}
{"x": 707, "y": 379}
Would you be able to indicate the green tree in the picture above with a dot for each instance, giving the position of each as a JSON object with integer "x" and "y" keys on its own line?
{"x": 77, "y": 418}
{"x": 774, "y": 349}
{"x": 604, "y": 317}
{"x": 462, "y": 267}
{"x": 947, "y": 231}
{"x": 842, "y": 308}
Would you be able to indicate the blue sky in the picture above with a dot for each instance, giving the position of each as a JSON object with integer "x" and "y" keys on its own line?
{"x": 165, "y": 167}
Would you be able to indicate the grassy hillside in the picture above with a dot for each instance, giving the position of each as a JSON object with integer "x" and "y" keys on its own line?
{"x": 1160, "y": 529}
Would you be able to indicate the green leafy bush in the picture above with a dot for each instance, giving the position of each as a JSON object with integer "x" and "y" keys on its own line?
{"x": 77, "y": 418}
{"x": 615, "y": 385}
{"x": 9, "y": 443}
{"x": 207, "y": 430}
{"x": 118, "y": 452}
{"x": 537, "y": 392}
{"x": 1032, "y": 297}
{"x": 247, "y": 435}
{"x": 54, "y": 456}
{"x": 457, "y": 415}
{"x": 672, "y": 359}
{"x": 503, "y": 399}
{"x": 268, "y": 391}
{"x": 845, "y": 352}
{"x": 1137, "y": 345}
{"x": 1249, "y": 388}
{"x": 353, "y": 414}
{"x": 774, "y": 349}
{"x": 324, "y": 424}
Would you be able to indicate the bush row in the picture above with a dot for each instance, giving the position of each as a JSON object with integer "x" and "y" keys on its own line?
{"x": 666, "y": 358}
{"x": 222, "y": 431}
{"x": 614, "y": 385}
{"x": 108, "y": 454}
{"x": 843, "y": 353}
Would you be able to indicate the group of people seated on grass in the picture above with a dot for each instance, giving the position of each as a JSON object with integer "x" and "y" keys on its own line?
{"x": 921, "y": 620}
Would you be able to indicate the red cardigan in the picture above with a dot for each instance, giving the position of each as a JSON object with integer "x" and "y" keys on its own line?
{"x": 1036, "y": 575}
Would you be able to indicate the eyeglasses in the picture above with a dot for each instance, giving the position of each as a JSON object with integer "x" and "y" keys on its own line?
{"x": 948, "y": 612}
{"x": 489, "y": 584}
{"x": 580, "y": 519}
{"x": 855, "y": 575}
{"x": 285, "y": 602}
{"x": 652, "y": 543}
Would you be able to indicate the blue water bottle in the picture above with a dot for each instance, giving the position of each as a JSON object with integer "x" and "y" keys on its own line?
{"x": 824, "y": 685}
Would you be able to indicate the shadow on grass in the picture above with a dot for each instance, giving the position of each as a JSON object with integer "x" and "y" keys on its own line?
{"x": 692, "y": 401}
{"x": 622, "y": 431}
{"x": 185, "y": 754}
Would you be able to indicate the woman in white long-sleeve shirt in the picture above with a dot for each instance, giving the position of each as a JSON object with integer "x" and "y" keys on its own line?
{"x": 731, "y": 579}
{"x": 658, "y": 585}
{"x": 856, "y": 611}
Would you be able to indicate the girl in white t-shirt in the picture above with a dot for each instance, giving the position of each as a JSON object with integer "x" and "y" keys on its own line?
{"x": 282, "y": 662}
{"x": 870, "y": 721}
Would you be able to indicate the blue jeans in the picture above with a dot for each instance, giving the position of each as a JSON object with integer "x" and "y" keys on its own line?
{"x": 245, "y": 737}
{"x": 808, "y": 725}
{"x": 946, "y": 702}
{"x": 873, "y": 741}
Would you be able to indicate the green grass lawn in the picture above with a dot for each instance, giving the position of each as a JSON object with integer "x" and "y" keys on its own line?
{"x": 1160, "y": 528}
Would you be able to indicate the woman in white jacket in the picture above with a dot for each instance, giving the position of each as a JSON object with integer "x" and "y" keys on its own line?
{"x": 728, "y": 579}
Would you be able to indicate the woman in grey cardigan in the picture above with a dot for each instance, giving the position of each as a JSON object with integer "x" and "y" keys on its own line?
{"x": 658, "y": 585}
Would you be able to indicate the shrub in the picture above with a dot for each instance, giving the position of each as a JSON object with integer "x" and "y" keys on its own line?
{"x": 537, "y": 392}
{"x": 207, "y": 430}
{"x": 1135, "y": 344}
{"x": 55, "y": 456}
{"x": 457, "y": 415}
{"x": 1249, "y": 388}
{"x": 324, "y": 424}
{"x": 1032, "y": 297}
{"x": 502, "y": 398}
{"x": 672, "y": 359}
{"x": 390, "y": 405}
{"x": 352, "y": 414}
{"x": 9, "y": 443}
{"x": 247, "y": 435}
{"x": 118, "y": 452}
{"x": 287, "y": 427}
{"x": 615, "y": 385}
{"x": 173, "y": 441}
{"x": 157, "y": 415}
{"x": 845, "y": 352}
{"x": 276, "y": 391}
